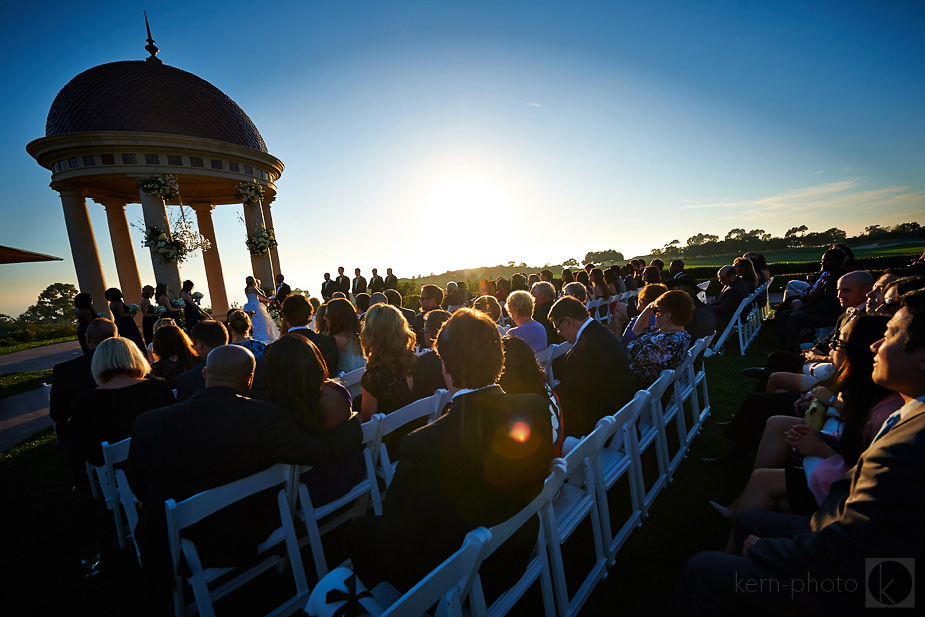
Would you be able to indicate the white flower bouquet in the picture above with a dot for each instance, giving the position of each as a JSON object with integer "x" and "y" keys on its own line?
{"x": 249, "y": 192}
{"x": 165, "y": 187}
{"x": 168, "y": 249}
{"x": 261, "y": 241}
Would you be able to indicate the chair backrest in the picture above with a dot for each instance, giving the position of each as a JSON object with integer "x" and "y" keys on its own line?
{"x": 351, "y": 380}
{"x": 587, "y": 449}
{"x": 429, "y": 408}
{"x": 657, "y": 389}
{"x": 559, "y": 350}
{"x": 733, "y": 322}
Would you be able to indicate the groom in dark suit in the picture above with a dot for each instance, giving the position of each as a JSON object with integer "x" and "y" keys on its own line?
{"x": 873, "y": 513}
{"x": 594, "y": 378}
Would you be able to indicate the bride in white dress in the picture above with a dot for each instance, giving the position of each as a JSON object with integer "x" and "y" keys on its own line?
{"x": 264, "y": 327}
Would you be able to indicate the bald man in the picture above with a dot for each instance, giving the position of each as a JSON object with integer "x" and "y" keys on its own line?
{"x": 216, "y": 437}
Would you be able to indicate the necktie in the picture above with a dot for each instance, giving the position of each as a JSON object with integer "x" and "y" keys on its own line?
{"x": 890, "y": 423}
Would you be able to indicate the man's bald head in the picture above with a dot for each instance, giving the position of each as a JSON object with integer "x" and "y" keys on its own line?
{"x": 231, "y": 366}
{"x": 854, "y": 287}
{"x": 99, "y": 330}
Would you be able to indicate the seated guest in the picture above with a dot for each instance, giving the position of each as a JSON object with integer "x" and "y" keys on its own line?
{"x": 392, "y": 379}
{"x": 344, "y": 326}
{"x": 628, "y": 273}
{"x": 703, "y": 322}
{"x": 464, "y": 290}
{"x": 173, "y": 353}
{"x": 650, "y": 353}
{"x": 544, "y": 294}
{"x": 651, "y": 276}
{"x": 239, "y": 331}
{"x": 875, "y": 296}
{"x": 675, "y": 269}
{"x": 873, "y": 512}
{"x": 646, "y": 296}
{"x": 431, "y": 297}
{"x": 577, "y": 291}
{"x": 296, "y": 312}
{"x": 298, "y": 382}
{"x": 522, "y": 374}
{"x": 206, "y": 336}
{"x": 818, "y": 307}
{"x": 106, "y": 412}
{"x": 502, "y": 289}
{"x": 546, "y": 277}
{"x": 432, "y": 324}
{"x": 319, "y": 325}
{"x": 583, "y": 278}
{"x": 761, "y": 266}
{"x": 659, "y": 265}
{"x": 395, "y": 300}
{"x": 567, "y": 277}
{"x": 478, "y": 465}
{"x": 533, "y": 278}
{"x": 488, "y": 305}
{"x": 454, "y": 298}
{"x": 217, "y": 437}
{"x": 378, "y": 298}
{"x": 615, "y": 283}
{"x": 599, "y": 287}
{"x": 730, "y": 297}
{"x": 519, "y": 282}
{"x": 746, "y": 271}
{"x": 594, "y": 378}
{"x": 362, "y": 302}
{"x": 520, "y": 308}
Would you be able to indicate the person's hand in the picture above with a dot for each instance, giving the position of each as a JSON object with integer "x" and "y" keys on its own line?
{"x": 802, "y": 404}
{"x": 749, "y": 542}
{"x": 796, "y": 432}
{"x": 822, "y": 394}
{"x": 813, "y": 444}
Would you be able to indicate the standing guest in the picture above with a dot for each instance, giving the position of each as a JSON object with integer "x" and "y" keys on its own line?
{"x": 544, "y": 294}
{"x": 148, "y": 316}
{"x": 106, "y": 412}
{"x": 344, "y": 326}
{"x": 206, "y": 336}
{"x": 328, "y": 287}
{"x": 431, "y": 297}
{"x": 595, "y": 379}
{"x": 395, "y": 300}
{"x": 359, "y": 283}
{"x": 650, "y": 353}
{"x": 342, "y": 281}
{"x": 170, "y": 311}
{"x": 296, "y": 313}
{"x": 520, "y": 308}
{"x": 478, "y": 465}
{"x": 376, "y": 284}
{"x": 192, "y": 312}
{"x": 391, "y": 380}
{"x": 217, "y": 437}
{"x": 85, "y": 313}
{"x": 391, "y": 281}
{"x": 239, "y": 331}
{"x": 124, "y": 318}
{"x": 173, "y": 353}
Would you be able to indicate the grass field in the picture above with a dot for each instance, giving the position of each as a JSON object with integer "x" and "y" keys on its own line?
{"x": 15, "y": 383}
{"x": 33, "y": 344}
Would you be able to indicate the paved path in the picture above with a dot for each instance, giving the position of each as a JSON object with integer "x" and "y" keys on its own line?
{"x": 39, "y": 358}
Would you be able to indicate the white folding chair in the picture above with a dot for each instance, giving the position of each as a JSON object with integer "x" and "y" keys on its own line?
{"x": 130, "y": 505}
{"x": 700, "y": 379}
{"x": 429, "y": 408}
{"x": 766, "y": 307}
{"x": 576, "y": 501}
{"x": 351, "y": 380}
{"x": 543, "y": 358}
{"x": 560, "y": 350}
{"x": 653, "y": 428}
{"x": 364, "y": 491}
{"x": 538, "y": 567}
{"x": 719, "y": 343}
{"x": 112, "y": 455}
{"x": 619, "y": 457}
{"x": 194, "y": 509}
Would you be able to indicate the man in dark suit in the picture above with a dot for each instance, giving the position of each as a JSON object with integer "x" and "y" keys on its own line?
{"x": 282, "y": 290}
{"x": 296, "y": 313}
{"x": 725, "y": 304}
{"x": 394, "y": 299}
{"x": 376, "y": 284}
{"x": 875, "y": 512}
{"x": 595, "y": 378}
{"x": 431, "y": 298}
{"x": 206, "y": 336}
{"x": 479, "y": 464}
{"x": 214, "y": 438}
{"x": 675, "y": 269}
{"x": 343, "y": 281}
{"x": 544, "y": 294}
{"x": 391, "y": 281}
{"x": 328, "y": 287}
{"x": 359, "y": 283}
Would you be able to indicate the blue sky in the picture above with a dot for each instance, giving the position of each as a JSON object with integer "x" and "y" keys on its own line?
{"x": 426, "y": 136}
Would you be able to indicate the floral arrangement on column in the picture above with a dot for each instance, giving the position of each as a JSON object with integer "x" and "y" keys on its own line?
{"x": 261, "y": 241}
{"x": 249, "y": 192}
{"x": 165, "y": 187}
{"x": 170, "y": 250}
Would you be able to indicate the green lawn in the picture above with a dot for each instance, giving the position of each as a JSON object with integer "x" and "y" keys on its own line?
{"x": 15, "y": 383}
{"x": 33, "y": 344}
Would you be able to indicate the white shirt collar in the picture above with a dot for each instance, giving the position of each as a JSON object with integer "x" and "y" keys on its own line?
{"x": 468, "y": 390}
{"x": 298, "y": 328}
{"x": 582, "y": 329}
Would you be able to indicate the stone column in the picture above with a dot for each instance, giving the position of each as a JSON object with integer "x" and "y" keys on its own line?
{"x": 263, "y": 267}
{"x": 83, "y": 248}
{"x": 155, "y": 215}
{"x": 123, "y": 251}
{"x": 212, "y": 261}
{"x": 274, "y": 253}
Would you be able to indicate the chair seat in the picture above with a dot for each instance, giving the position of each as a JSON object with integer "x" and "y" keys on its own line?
{"x": 570, "y": 508}
{"x": 614, "y": 464}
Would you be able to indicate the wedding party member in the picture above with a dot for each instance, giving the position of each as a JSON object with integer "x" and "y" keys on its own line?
{"x": 206, "y": 336}
{"x": 376, "y": 284}
{"x": 520, "y": 308}
{"x": 650, "y": 352}
{"x": 478, "y": 465}
{"x": 342, "y": 281}
{"x": 106, "y": 412}
{"x": 298, "y": 382}
{"x": 148, "y": 316}
{"x": 239, "y": 331}
{"x": 344, "y": 326}
{"x": 296, "y": 313}
{"x": 192, "y": 312}
{"x": 124, "y": 318}
{"x": 265, "y": 328}
{"x": 173, "y": 353}
{"x": 359, "y": 283}
{"x": 392, "y": 378}
{"x": 85, "y": 313}
{"x": 217, "y": 437}
{"x": 170, "y": 311}
{"x": 391, "y": 281}
{"x": 328, "y": 287}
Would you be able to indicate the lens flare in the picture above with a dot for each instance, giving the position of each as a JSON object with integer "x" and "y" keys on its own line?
{"x": 520, "y": 432}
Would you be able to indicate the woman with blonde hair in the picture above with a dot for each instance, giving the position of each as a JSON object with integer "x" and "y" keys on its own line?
{"x": 392, "y": 379}
{"x": 520, "y": 307}
{"x": 106, "y": 413}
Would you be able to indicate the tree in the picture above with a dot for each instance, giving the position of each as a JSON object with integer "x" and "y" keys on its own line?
{"x": 55, "y": 305}
{"x": 735, "y": 234}
{"x": 796, "y": 230}
{"x": 906, "y": 228}
{"x": 570, "y": 263}
{"x": 600, "y": 257}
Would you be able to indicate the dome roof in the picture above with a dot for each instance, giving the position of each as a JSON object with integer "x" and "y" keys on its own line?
{"x": 149, "y": 97}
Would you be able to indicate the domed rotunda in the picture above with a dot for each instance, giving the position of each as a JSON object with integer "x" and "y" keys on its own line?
{"x": 120, "y": 124}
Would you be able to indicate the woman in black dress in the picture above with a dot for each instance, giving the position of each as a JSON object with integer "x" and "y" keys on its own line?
{"x": 124, "y": 318}
{"x": 173, "y": 353}
{"x": 192, "y": 313}
{"x": 171, "y": 312}
{"x": 149, "y": 317}
{"x": 83, "y": 309}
